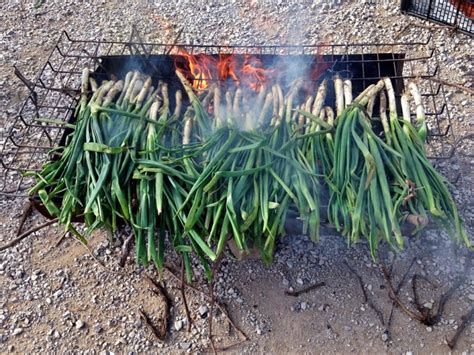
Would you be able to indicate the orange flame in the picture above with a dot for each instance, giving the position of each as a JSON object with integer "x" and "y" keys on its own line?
{"x": 256, "y": 75}
{"x": 202, "y": 68}
{"x": 246, "y": 70}
{"x": 226, "y": 67}
{"x": 199, "y": 68}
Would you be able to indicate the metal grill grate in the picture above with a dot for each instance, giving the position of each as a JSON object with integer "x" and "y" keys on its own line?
{"x": 54, "y": 93}
{"x": 456, "y": 13}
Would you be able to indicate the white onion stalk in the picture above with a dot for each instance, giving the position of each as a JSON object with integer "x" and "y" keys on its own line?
{"x": 338, "y": 87}
{"x": 420, "y": 112}
{"x": 236, "y": 106}
{"x": 289, "y": 101}
{"x": 217, "y": 107}
{"x": 347, "y": 92}
{"x": 103, "y": 90}
{"x": 319, "y": 100}
{"x": 330, "y": 120}
{"x": 188, "y": 127}
{"x": 281, "y": 104}
{"x": 405, "y": 111}
{"x": 118, "y": 86}
{"x": 228, "y": 100}
{"x": 136, "y": 90}
{"x": 267, "y": 107}
{"x": 93, "y": 84}
{"x": 307, "y": 108}
{"x": 275, "y": 105}
{"x": 178, "y": 103}
{"x": 392, "y": 106}
{"x": 143, "y": 92}
{"x": 383, "y": 116}
{"x": 129, "y": 91}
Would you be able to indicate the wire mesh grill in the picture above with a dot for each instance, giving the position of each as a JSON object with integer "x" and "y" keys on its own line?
{"x": 54, "y": 93}
{"x": 456, "y": 13}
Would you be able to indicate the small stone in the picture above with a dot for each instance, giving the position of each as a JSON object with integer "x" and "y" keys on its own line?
{"x": 409, "y": 353}
{"x": 97, "y": 328}
{"x": 178, "y": 325}
{"x": 58, "y": 294}
{"x": 185, "y": 345}
{"x": 321, "y": 308}
{"x": 80, "y": 324}
{"x": 259, "y": 331}
{"x": 48, "y": 300}
{"x": 299, "y": 281}
{"x": 471, "y": 296}
{"x": 429, "y": 329}
{"x": 120, "y": 341}
{"x": 66, "y": 314}
{"x": 428, "y": 305}
{"x": 303, "y": 305}
{"x": 17, "y": 331}
{"x": 369, "y": 287}
{"x": 384, "y": 337}
{"x": 202, "y": 311}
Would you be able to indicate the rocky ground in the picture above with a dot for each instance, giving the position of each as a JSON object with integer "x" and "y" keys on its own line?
{"x": 56, "y": 296}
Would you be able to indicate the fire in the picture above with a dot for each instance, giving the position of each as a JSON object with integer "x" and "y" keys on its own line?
{"x": 203, "y": 68}
{"x": 256, "y": 75}
{"x": 199, "y": 68}
{"x": 242, "y": 70}
{"x": 226, "y": 67}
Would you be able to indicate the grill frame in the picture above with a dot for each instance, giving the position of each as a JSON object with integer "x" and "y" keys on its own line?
{"x": 442, "y": 12}
{"x": 54, "y": 93}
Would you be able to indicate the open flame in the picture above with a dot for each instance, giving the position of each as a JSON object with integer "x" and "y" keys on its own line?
{"x": 203, "y": 68}
{"x": 242, "y": 70}
{"x": 199, "y": 68}
{"x": 226, "y": 67}
{"x": 257, "y": 76}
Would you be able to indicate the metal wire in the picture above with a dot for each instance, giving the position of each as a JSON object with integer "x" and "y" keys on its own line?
{"x": 54, "y": 92}
{"x": 458, "y": 14}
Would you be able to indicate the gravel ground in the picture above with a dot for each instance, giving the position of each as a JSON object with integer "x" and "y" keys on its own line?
{"x": 61, "y": 298}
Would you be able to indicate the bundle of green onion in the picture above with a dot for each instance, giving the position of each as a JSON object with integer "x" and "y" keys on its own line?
{"x": 377, "y": 183}
{"x": 203, "y": 178}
